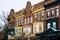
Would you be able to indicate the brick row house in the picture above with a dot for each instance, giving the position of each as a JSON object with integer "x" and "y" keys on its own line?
{"x": 52, "y": 12}
{"x": 11, "y": 24}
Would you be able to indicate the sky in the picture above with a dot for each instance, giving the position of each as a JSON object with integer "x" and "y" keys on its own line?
{"x": 6, "y": 5}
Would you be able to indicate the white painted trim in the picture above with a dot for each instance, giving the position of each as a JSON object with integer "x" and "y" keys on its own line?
{"x": 57, "y": 7}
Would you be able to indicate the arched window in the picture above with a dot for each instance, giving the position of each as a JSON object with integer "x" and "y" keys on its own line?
{"x": 54, "y": 25}
{"x": 48, "y": 25}
{"x": 48, "y": 14}
{"x": 16, "y": 31}
{"x": 57, "y": 11}
{"x": 52, "y": 11}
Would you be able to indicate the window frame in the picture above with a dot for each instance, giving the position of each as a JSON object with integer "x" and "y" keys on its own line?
{"x": 48, "y": 14}
{"x": 52, "y": 13}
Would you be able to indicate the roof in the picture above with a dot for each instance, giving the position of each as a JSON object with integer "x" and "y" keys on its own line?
{"x": 18, "y": 12}
{"x": 38, "y": 5}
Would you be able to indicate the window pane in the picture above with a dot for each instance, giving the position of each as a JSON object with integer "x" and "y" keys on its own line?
{"x": 38, "y": 16}
{"x": 48, "y": 25}
{"x": 42, "y": 15}
{"x": 52, "y": 13}
{"x": 40, "y": 27}
{"x": 57, "y": 10}
{"x": 25, "y": 20}
{"x": 48, "y": 14}
{"x": 34, "y": 29}
{"x": 31, "y": 19}
{"x": 28, "y": 20}
{"x": 54, "y": 25}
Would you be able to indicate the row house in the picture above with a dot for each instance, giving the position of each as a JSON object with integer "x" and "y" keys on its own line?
{"x": 39, "y": 18}
{"x": 31, "y": 20}
{"x": 52, "y": 12}
{"x": 19, "y": 24}
{"x": 11, "y": 24}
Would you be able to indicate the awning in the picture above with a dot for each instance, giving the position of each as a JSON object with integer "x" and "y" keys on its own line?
{"x": 50, "y": 31}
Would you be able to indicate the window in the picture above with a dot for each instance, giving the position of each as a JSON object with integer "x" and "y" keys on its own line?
{"x": 28, "y": 20}
{"x": 35, "y": 29}
{"x": 40, "y": 27}
{"x": 12, "y": 32}
{"x": 21, "y": 21}
{"x": 48, "y": 14}
{"x": 24, "y": 30}
{"x": 17, "y": 22}
{"x": 16, "y": 31}
{"x": 35, "y": 17}
{"x": 42, "y": 15}
{"x": 48, "y": 26}
{"x": 20, "y": 31}
{"x": 39, "y": 16}
{"x": 52, "y": 13}
{"x": 25, "y": 20}
{"x": 31, "y": 19}
{"x": 57, "y": 11}
{"x": 54, "y": 25}
{"x": 29, "y": 30}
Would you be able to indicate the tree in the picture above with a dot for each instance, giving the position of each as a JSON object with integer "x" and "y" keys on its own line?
{"x": 5, "y": 30}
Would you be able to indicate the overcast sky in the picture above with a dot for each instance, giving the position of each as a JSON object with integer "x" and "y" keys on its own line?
{"x": 6, "y": 5}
